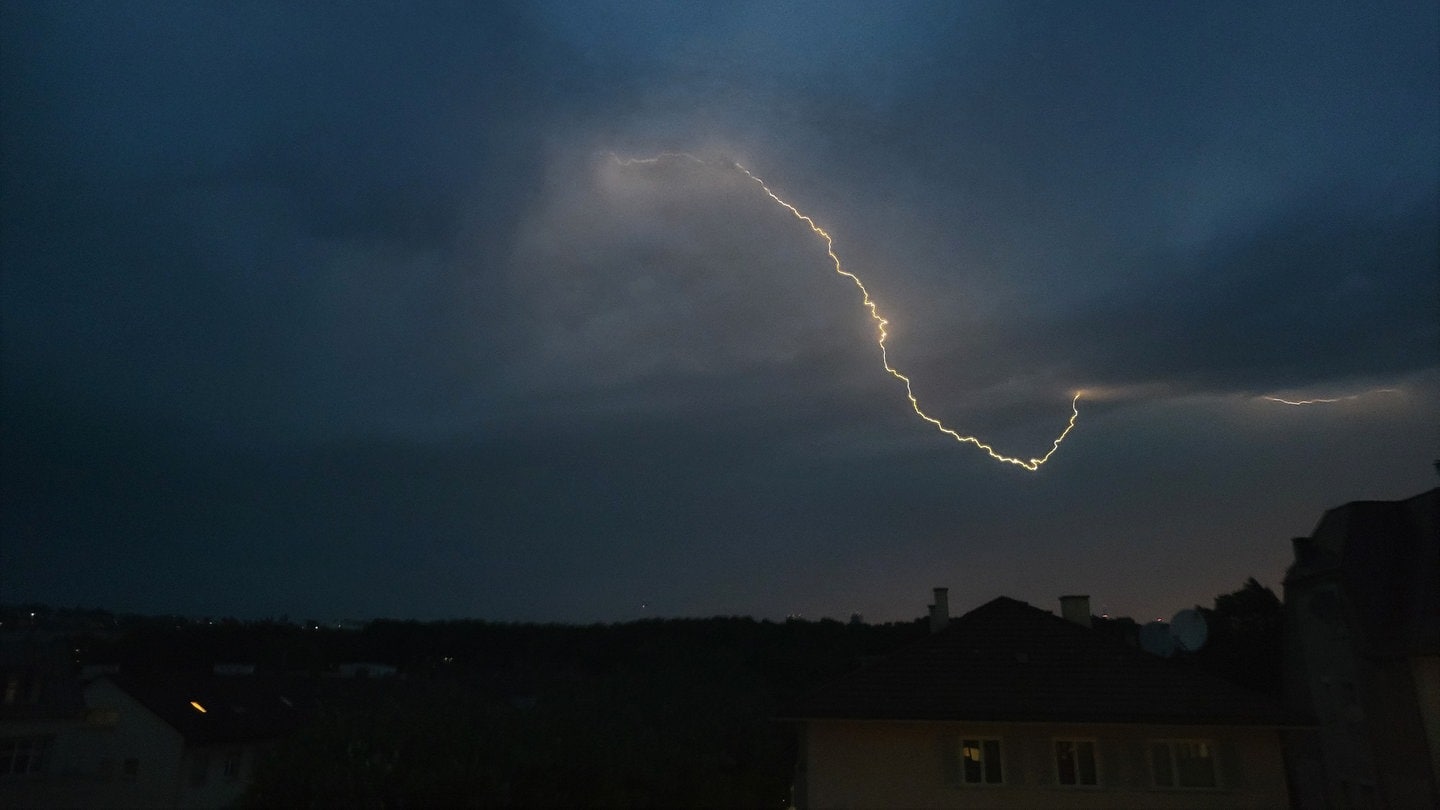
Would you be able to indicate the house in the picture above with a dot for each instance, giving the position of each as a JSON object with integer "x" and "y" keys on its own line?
{"x": 186, "y": 740}
{"x": 142, "y": 739}
{"x": 1012, "y": 706}
{"x": 41, "y": 709}
{"x": 1362, "y": 630}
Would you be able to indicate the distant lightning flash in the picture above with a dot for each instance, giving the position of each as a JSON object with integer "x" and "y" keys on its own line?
{"x": 1328, "y": 401}
{"x": 882, "y": 335}
{"x": 1284, "y": 401}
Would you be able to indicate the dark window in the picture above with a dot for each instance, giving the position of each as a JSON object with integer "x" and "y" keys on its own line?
{"x": 1075, "y": 762}
{"x": 132, "y": 769}
{"x": 23, "y": 756}
{"x": 1183, "y": 763}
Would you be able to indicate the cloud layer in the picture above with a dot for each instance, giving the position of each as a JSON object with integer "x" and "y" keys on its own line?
{"x": 354, "y": 312}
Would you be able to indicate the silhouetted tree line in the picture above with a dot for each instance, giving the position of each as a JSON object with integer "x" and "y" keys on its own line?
{"x": 1245, "y": 635}
{"x": 673, "y": 713}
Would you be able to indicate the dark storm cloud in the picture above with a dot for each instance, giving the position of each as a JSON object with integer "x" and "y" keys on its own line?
{"x": 1215, "y": 195}
{"x": 241, "y": 203}
{"x": 1322, "y": 298}
{"x": 349, "y": 310}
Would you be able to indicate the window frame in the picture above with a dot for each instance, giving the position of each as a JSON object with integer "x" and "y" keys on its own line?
{"x": 1094, "y": 744}
{"x": 963, "y": 743}
{"x": 1172, "y": 746}
{"x": 34, "y": 750}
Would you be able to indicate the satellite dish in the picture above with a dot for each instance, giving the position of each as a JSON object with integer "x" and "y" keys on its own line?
{"x": 1189, "y": 629}
{"x": 1155, "y": 638}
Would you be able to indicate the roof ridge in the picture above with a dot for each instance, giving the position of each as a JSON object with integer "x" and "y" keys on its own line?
{"x": 1009, "y": 660}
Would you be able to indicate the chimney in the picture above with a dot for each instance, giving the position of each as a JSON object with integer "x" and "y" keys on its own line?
{"x": 940, "y": 611}
{"x": 1076, "y": 609}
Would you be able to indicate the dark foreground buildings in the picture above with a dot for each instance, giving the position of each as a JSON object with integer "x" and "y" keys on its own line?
{"x": 1012, "y": 706}
{"x": 1362, "y": 613}
{"x": 1007, "y": 706}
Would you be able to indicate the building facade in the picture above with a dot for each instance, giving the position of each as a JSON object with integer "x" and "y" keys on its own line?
{"x": 1010, "y": 706}
{"x": 147, "y": 740}
{"x": 1362, "y": 613}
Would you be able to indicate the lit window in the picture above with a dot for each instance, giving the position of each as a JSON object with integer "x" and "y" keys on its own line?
{"x": 23, "y": 756}
{"x": 980, "y": 762}
{"x": 1075, "y": 762}
{"x": 1183, "y": 763}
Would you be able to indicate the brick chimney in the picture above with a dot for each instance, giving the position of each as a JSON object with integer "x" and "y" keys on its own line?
{"x": 940, "y": 611}
{"x": 1076, "y": 609}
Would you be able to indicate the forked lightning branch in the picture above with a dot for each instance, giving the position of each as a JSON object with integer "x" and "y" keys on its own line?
{"x": 881, "y": 335}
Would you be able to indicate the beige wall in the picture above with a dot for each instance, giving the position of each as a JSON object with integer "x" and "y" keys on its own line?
{"x": 87, "y": 761}
{"x": 215, "y": 789}
{"x": 87, "y": 758}
{"x": 852, "y": 764}
{"x": 62, "y": 783}
{"x": 139, "y": 735}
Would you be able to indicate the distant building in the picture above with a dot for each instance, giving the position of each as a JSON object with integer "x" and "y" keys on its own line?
{"x": 1011, "y": 706}
{"x": 1362, "y": 613}
{"x": 41, "y": 709}
{"x": 148, "y": 740}
{"x": 365, "y": 669}
{"x": 190, "y": 740}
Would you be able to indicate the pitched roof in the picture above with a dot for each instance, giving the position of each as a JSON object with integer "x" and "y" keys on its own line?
{"x": 1006, "y": 661}
{"x": 237, "y": 709}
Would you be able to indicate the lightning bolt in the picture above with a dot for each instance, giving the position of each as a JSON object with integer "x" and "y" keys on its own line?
{"x": 881, "y": 335}
{"x": 1330, "y": 400}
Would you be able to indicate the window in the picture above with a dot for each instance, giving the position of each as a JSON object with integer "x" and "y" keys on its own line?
{"x": 131, "y": 770}
{"x": 23, "y": 756}
{"x": 102, "y": 718}
{"x": 980, "y": 762}
{"x": 1183, "y": 763}
{"x": 22, "y": 688}
{"x": 232, "y": 765}
{"x": 1075, "y": 762}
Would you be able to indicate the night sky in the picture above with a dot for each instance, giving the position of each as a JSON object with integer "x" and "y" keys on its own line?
{"x": 346, "y": 310}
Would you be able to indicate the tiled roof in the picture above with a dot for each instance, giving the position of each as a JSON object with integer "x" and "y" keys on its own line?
{"x": 237, "y": 709}
{"x": 1006, "y": 661}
